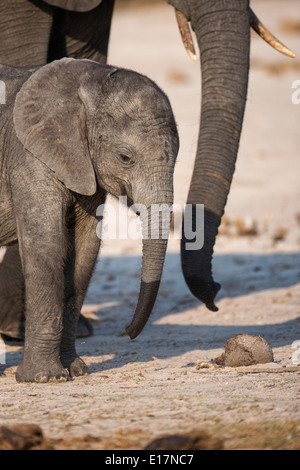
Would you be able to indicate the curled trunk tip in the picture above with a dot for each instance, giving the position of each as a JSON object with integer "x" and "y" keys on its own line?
{"x": 147, "y": 297}
{"x": 267, "y": 36}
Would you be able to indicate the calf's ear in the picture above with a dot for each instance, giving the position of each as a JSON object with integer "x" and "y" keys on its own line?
{"x": 50, "y": 121}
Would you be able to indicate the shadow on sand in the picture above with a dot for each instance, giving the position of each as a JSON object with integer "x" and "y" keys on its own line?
{"x": 113, "y": 293}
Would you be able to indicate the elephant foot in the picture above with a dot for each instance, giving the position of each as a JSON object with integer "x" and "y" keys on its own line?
{"x": 204, "y": 291}
{"x": 41, "y": 372}
{"x": 75, "y": 365}
{"x": 78, "y": 368}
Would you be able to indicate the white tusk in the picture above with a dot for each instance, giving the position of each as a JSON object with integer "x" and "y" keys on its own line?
{"x": 2, "y": 253}
{"x": 185, "y": 34}
{"x": 265, "y": 34}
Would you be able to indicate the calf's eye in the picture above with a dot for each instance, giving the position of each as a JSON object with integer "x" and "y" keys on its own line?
{"x": 125, "y": 159}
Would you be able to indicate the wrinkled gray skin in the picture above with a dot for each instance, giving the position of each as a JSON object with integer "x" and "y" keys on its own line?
{"x": 72, "y": 131}
{"x": 36, "y": 31}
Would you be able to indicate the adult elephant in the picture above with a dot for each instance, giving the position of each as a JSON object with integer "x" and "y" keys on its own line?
{"x": 36, "y": 31}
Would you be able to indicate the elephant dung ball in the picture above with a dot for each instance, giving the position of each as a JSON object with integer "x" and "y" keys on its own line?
{"x": 245, "y": 350}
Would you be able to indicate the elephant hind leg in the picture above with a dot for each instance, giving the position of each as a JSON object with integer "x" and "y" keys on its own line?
{"x": 12, "y": 295}
{"x": 84, "y": 243}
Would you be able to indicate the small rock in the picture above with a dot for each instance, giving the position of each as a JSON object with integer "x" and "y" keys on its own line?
{"x": 178, "y": 76}
{"x": 246, "y": 226}
{"x": 245, "y": 350}
{"x": 290, "y": 25}
{"x": 20, "y": 437}
{"x": 279, "y": 234}
{"x": 205, "y": 365}
{"x": 191, "y": 441}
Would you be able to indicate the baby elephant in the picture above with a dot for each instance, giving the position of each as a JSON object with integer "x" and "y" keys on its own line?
{"x": 71, "y": 132}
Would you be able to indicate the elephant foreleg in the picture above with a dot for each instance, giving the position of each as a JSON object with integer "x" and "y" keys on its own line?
{"x": 81, "y": 34}
{"x": 25, "y": 31}
{"x": 42, "y": 242}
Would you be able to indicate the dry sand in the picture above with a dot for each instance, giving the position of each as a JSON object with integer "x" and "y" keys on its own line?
{"x": 140, "y": 389}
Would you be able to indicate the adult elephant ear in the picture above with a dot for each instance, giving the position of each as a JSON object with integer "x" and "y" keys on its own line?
{"x": 50, "y": 121}
{"x": 75, "y": 5}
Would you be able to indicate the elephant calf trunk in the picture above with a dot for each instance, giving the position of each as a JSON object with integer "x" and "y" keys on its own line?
{"x": 154, "y": 251}
{"x": 147, "y": 297}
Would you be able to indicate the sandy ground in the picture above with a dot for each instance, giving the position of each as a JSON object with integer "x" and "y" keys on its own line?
{"x": 141, "y": 389}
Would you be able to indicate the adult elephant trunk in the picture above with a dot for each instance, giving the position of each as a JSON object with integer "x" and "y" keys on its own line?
{"x": 223, "y": 34}
{"x": 155, "y": 220}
